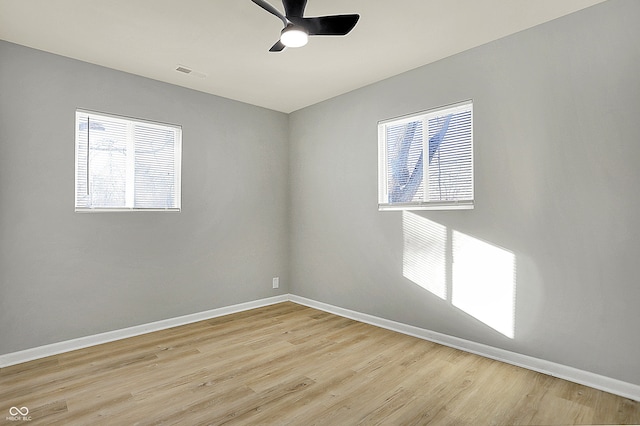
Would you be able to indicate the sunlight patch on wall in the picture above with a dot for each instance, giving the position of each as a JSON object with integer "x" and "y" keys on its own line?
{"x": 483, "y": 282}
{"x": 424, "y": 257}
{"x": 476, "y": 277}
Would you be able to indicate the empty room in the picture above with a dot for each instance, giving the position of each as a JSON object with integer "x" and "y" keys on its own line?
{"x": 319, "y": 212}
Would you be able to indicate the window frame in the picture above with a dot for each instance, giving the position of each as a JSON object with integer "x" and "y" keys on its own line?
{"x": 130, "y": 179}
{"x": 383, "y": 161}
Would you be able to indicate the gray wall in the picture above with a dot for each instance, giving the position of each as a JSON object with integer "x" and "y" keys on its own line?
{"x": 557, "y": 144}
{"x": 65, "y": 275}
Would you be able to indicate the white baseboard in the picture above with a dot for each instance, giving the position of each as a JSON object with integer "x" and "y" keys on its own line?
{"x": 110, "y": 336}
{"x": 607, "y": 384}
{"x": 614, "y": 386}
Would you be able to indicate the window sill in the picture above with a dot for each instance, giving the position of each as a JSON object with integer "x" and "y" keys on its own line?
{"x": 118, "y": 210}
{"x": 462, "y": 205}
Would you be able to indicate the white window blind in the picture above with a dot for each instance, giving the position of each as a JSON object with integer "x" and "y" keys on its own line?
{"x": 425, "y": 160}
{"x": 126, "y": 164}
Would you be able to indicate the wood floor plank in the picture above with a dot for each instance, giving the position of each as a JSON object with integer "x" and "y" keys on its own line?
{"x": 290, "y": 364}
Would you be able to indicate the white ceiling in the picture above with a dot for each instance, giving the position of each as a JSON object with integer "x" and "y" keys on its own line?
{"x": 226, "y": 42}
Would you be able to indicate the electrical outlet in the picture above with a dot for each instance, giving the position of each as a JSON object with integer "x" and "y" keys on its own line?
{"x": 276, "y": 282}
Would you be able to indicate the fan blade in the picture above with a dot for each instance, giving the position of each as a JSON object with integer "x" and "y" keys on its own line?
{"x": 294, "y": 8}
{"x": 278, "y": 47}
{"x": 266, "y": 6}
{"x": 328, "y": 25}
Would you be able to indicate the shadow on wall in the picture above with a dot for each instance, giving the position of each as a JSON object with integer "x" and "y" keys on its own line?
{"x": 476, "y": 277}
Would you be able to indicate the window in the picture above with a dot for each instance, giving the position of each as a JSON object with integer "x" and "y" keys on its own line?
{"x": 125, "y": 164}
{"x": 425, "y": 160}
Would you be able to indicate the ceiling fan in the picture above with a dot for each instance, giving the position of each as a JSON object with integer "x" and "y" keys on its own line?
{"x": 297, "y": 28}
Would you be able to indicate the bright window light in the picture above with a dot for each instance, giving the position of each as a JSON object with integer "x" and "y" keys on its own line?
{"x": 424, "y": 261}
{"x": 425, "y": 160}
{"x": 477, "y": 277}
{"x": 484, "y": 282}
{"x": 125, "y": 164}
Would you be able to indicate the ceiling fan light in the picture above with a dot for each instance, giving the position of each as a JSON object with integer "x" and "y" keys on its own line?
{"x": 294, "y": 36}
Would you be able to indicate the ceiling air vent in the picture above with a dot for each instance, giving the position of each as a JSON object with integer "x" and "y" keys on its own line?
{"x": 187, "y": 70}
{"x": 183, "y": 69}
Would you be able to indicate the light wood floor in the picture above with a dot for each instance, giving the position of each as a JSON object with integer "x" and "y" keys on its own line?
{"x": 289, "y": 364}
